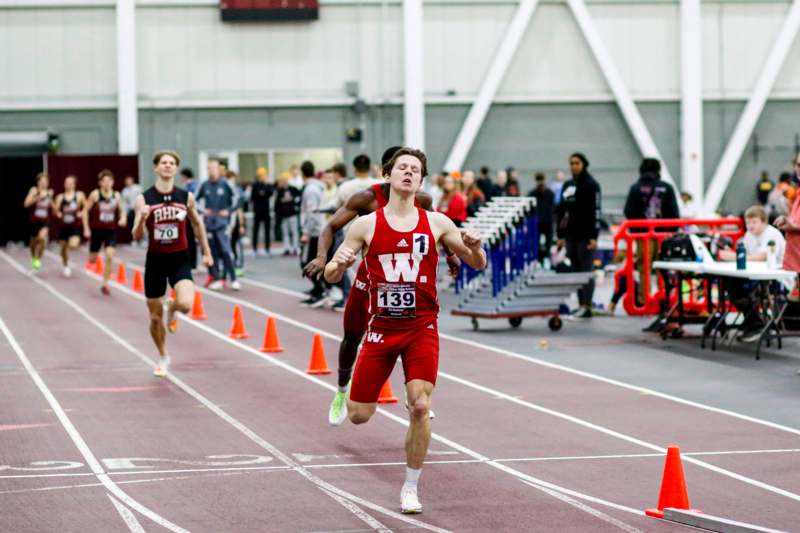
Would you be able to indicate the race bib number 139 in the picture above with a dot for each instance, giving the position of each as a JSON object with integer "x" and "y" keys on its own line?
{"x": 397, "y": 300}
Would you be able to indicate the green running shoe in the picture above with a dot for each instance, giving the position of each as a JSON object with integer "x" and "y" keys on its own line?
{"x": 338, "y": 410}
{"x": 36, "y": 263}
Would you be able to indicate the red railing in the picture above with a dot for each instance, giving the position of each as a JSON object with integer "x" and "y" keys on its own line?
{"x": 638, "y": 233}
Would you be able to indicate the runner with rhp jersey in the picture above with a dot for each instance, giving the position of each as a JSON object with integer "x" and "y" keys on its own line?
{"x": 39, "y": 200}
{"x": 100, "y": 222}
{"x": 68, "y": 208}
{"x": 162, "y": 211}
{"x": 398, "y": 243}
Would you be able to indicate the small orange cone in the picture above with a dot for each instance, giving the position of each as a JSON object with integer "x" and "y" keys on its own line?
{"x": 237, "y": 329}
{"x": 138, "y": 284}
{"x": 198, "y": 311}
{"x": 271, "y": 342}
{"x": 172, "y": 295}
{"x": 318, "y": 364}
{"x": 122, "y": 274}
{"x": 386, "y": 395}
{"x": 99, "y": 268}
{"x": 673, "y": 486}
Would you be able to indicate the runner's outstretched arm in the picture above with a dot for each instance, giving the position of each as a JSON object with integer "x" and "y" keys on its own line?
{"x": 140, "y": 213}
{"x": 346, "y": 255}
{"x": 199, "y": 230}
{"x": 358, "y": 204}
{"x": 464, "y": 243}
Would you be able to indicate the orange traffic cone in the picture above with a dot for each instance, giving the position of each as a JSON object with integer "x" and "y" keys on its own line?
{"x": 271, "y": 342}
{"x": 122, "y": 275}
{"x": 172, "y": 295}
{"x": 386, "y": 395}
{"x": 138, "y": 284}
{"x": 237, "y": 329}
{"x": 673, "y": 486}
{"x": 318, "y": 364}
{"x": 198, "y": 311}
{"x": 99, "y": 268}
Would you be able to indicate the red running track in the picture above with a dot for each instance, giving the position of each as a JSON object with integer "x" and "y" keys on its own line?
{"x": 239, "y": 441}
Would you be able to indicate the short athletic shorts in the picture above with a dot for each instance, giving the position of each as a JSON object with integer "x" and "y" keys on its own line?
{"x": 418, "y": 347}
{"x": 36, "y": 227}
{"x": 102, "y": 237}
{"x": 356, "y": 309}
{"x": 65, "y": 233}
{"x": 163, "y": 267}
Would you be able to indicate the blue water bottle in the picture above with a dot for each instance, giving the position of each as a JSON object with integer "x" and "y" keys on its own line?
{"x": 741, "y": 256}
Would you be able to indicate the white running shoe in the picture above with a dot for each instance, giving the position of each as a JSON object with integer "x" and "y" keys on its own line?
{"x": 162, "y": 368}
{"x": 216, "y": 285}
{"x": 235, "y": 285}
{"x": 67, "y": 272}
{"x": 409, "y": 502}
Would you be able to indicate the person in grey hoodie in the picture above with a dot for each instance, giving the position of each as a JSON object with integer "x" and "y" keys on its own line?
{"x": 219, "y": 202}
{"x": 311, "y": 224}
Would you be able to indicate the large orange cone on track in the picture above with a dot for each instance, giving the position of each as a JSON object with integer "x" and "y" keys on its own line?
{"x": 318, "y": 364}
{"x": 122, "y": 274}
{"x": 673, "y": 486}
{"x": 138, "y": 284}
{"x": 386, "y": 395}
{"x": 198, "y": 311}
{"x": 99, "y": 268}
{"x": 237, "y": 328}
{"x": 271, "y": 342}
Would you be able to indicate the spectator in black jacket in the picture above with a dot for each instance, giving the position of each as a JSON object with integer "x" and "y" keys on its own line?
{"x": 649, "y": 199}
{"x": 260, "y": 195}
{"x": 578, "y": 225}
{"x": 545, "y": 202}
{"x": 485, "y": 184}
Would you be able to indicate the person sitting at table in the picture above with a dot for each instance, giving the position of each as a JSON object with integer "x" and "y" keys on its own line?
{"x": 756, "y": 242}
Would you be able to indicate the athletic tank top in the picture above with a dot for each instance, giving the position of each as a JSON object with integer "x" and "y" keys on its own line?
{"x": 40, "y": 211}
{"x": 166, "y": 225}
{"x": 104, "y": 212}
{"x": 69, "y": 211}
{"x": 401, "y": 267}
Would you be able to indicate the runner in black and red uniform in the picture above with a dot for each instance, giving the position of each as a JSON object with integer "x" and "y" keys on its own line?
{"x": 356, "y": 311}
{"x": 68, "y": 208}
{"x": 101, "y": 217}
{"x": 399, "y": 246}
{"x": 163, "y": 210}
{"x": 39, "y": 201}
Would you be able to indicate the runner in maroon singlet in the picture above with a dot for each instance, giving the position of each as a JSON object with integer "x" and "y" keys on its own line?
{"x": 162, "y": 210}
{"x": 68, "y": 208}
{"x": 399, "y": 247}
{"x": 39, "y": 201}
{"x": 101, "y": 217}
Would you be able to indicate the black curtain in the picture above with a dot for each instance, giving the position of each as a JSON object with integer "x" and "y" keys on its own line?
{"x": 17, "y": 176}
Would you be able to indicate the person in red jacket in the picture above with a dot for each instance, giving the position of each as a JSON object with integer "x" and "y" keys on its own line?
{"x": 453, "y": 204}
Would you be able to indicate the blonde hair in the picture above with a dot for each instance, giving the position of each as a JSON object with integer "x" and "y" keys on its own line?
{"x": 756, "y": 211}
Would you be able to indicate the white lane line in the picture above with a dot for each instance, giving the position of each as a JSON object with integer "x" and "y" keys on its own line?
{"x": 585, "y": 508}
{"x": 501, "y": 395}
{"x": 88, "y": 456}
{"x": 344, "y": 498}
{"x": 452, "y": 444}
{"x": 555, "y": 366}
{"x": 127, "y": 516}
{"x": 402, "y": 463}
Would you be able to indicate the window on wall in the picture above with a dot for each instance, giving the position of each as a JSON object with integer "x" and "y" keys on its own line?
{"x": 275, "y": 160}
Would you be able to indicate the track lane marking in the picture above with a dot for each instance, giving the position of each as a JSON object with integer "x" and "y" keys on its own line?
{"x": 127, "y": 516}
{"x": 77, "y": 439}
{"x": 347, "y": 500}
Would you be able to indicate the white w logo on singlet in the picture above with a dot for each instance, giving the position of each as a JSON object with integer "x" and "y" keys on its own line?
{"x": 396, "y": 266}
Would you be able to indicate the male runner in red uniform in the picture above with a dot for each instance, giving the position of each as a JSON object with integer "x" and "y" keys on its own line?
{"x": 162, "y": 210}
{"x": 68, "y": 208}
{"x": 39, "y": 199}
{"x": 100, "y": 222}
{"x": 401, "y": 257}
{"x": 356, "y": 311}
